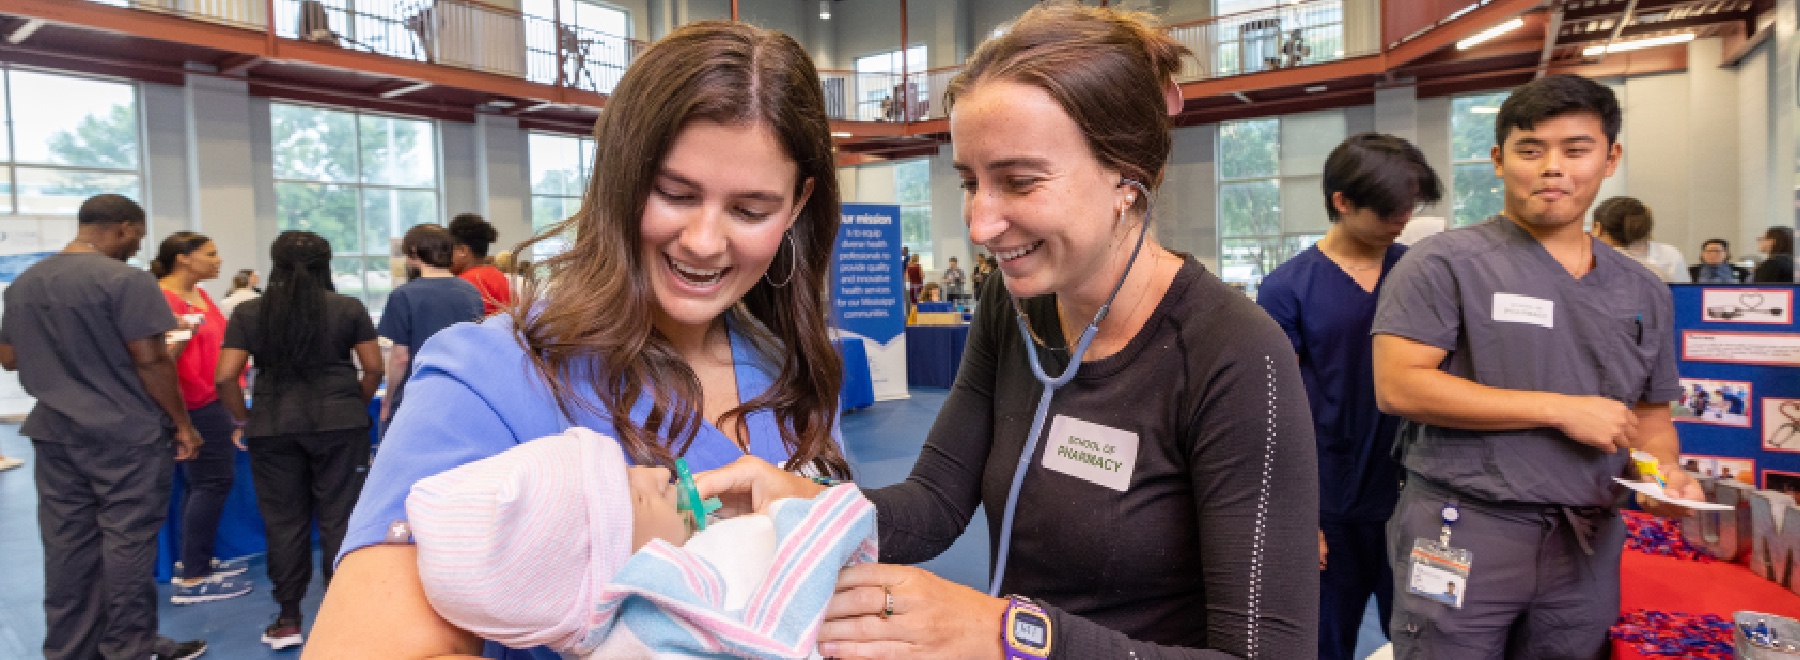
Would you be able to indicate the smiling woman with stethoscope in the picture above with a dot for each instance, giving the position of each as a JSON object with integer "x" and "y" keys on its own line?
{"x": 1149, "y": 476}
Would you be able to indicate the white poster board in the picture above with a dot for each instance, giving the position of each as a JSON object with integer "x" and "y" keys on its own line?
{"x": 25, "y": 239}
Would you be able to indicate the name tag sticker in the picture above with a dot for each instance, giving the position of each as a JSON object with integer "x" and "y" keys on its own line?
{"x": 1514, "y": 308}
{"x": 1086, "y": 450}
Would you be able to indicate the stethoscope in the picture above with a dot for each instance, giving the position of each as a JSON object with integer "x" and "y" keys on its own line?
{"x": 1050, "y": 387}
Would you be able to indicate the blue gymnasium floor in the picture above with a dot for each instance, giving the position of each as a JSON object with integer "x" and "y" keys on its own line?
{"x": 883, "y": 441}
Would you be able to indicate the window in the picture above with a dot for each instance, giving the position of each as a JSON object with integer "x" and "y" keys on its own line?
{"x": 359, "y": 180}
{"x": 1474, "y": 190}
{"x": 1250, "y": 241}
{"x": 61, "y": 152}
{"x": 878, "y": 77}
{"x": 912, "y": 189}
{"x": 559, "y": 173}
{"x": 906, "y": 184}
{"x": 1270, "y": 175}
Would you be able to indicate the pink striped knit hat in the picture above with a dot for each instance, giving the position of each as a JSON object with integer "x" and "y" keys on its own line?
{"x": 495, "y": 537}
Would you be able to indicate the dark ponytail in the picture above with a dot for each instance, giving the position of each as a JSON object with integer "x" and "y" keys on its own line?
{"x": 178, "y": 244}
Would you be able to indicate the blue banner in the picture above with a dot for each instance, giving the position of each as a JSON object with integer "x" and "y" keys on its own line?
{"x": 868, "y": 291}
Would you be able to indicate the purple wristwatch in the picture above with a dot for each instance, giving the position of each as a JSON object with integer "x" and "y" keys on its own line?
{"x": 1025, "y": 630}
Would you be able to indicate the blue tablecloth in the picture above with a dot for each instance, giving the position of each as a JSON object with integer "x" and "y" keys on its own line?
{"x": 859, "y": 387}
{"x": 933, "y": 353}
{"x": 928, "y": 307}
{"x": 240, "y": 526}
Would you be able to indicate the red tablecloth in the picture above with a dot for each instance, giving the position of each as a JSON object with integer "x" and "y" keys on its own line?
{"x": 1650, "y": 582}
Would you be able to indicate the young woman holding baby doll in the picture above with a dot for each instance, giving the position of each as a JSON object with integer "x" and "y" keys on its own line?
{"x": 691, "y": 304}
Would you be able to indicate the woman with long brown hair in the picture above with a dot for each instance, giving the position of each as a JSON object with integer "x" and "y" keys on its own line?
{"x": 687, "y": 319}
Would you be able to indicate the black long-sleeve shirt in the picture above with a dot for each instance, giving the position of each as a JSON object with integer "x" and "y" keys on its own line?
{"x": 1211, "y": 552}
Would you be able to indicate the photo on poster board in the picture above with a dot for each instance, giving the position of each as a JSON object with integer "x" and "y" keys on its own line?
{"x": 1721, "y": 402}
{"x": 1760, "y": 348}
{"x": 1740, "y": 469}
{"x": 1781, "y": 482}
{"x": 1781, "y": 424}
{"x": 1735, "y": 305}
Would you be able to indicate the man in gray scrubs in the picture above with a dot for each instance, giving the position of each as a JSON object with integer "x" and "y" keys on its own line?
{"x": 85, "y": 332}
{"x": 1529, "y": 360}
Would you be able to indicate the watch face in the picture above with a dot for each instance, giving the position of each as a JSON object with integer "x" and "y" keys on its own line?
{"x": 1030, "y": 630}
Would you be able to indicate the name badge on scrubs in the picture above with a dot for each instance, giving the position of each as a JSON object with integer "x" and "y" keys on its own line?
{"x": 1514, "y": 308}
{"x": 1440, "y": 572}
{"x": 1085, "y": 450}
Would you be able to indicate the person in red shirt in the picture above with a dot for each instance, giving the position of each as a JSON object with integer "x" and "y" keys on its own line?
{"x": 915, "y": 280}
{"x": 473, "y": 236}
{"x": 184, "y": 260}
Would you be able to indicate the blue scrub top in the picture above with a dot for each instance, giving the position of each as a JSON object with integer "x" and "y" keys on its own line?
{"x": 1327, "y": 316}
{"x": 474, "y": 394}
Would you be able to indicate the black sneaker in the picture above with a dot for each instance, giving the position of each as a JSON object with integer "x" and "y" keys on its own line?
{"x": 189, "y": 650}
{"x": 283, "y": 633}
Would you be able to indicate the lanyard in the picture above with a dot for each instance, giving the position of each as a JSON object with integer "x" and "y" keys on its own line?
{"x": 1050, "y": 387}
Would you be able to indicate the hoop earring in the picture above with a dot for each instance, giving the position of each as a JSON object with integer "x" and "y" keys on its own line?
{"x": 793, "y": 263}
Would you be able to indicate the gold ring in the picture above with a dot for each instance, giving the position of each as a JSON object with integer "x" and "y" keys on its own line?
{"x": 889, "y": 610}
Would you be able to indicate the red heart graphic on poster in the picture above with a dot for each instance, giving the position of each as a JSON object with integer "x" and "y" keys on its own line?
{"x": 1751, "y": 300}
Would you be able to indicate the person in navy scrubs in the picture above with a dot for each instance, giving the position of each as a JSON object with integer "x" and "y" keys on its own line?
{"x": 688, "y": 318}
{"x": 1324, "y": 298}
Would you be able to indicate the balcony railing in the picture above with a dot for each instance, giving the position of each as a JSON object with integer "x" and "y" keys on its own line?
{"x": 573, "y": 56}
{"x": 1303, "y": 34}
{"x": 477, "y": 36}
{"x": 1296, "y": 35}
{"x": 458, "y": 33}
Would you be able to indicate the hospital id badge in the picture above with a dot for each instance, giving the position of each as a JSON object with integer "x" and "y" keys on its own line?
{"x": 1439, "y": 572}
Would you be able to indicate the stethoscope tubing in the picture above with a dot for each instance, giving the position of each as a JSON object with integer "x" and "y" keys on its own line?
{"x": 1050, "y": 387}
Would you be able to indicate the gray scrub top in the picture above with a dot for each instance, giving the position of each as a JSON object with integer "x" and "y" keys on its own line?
{"x": 1512, "y": 317}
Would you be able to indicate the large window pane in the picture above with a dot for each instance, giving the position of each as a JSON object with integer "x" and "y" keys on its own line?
{"x": 1247, "y": 260}
{"x": 61, "y": 120}
{"x": 915, "y": 233}
{"x": 1249, "y": 149}
{"x": 62, "y": 191}
{"x": 556, "y": 165}
{"x": 912, "y": 181}
{"x": 312, "y": 144}
{"x": 1249, "y": 208}
{"x": 1472, "y": 125}
{"x": 546, "y": 212}
{"x": 378, "y": 282}
{"x": 328, "y": 210}
{"x": 347, "y": 275}
{"x": 1478, "y": 193}
{"x": 388, "y": 213}
{"x": 6, "y": 189}
{"x": 398, "y": 152}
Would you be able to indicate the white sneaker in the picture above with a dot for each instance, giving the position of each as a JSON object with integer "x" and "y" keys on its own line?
{"x": 10, "y": 463}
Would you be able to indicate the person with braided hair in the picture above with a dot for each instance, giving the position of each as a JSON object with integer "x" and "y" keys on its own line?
{"x": 308, "y": 436}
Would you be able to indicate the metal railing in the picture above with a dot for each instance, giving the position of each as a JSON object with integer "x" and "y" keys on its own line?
{"x": 573, "y": 56}
{"x": 459, "y": 33}
{"x": 473, "y": 35}
{"x": 1303, "y": 34}
{"x": 862, "y": 96}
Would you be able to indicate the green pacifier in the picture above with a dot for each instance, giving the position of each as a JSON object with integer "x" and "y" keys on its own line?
{"x": 688, "y": 497}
